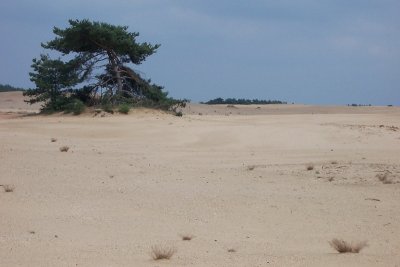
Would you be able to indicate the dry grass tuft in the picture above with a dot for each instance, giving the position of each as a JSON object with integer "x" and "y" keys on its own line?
{"x": 187, "y": 237}
{"x": 8, "y": 188}
{"x": 162, "y": 252}
{"x": 231, "y": 250}
{"x": 64, "y": 148}
{"x": 384, "y": 178}
{"x": 251, "y": 167}
{"x": 342, "y": 246}
{"x": 309, "y": 167}
{"x": 53, "y": 140}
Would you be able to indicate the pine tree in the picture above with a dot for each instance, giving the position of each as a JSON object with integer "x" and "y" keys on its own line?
{"x": 102, "y": 56}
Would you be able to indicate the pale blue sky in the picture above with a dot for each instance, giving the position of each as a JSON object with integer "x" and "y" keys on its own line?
{"x": 303, "y": 51}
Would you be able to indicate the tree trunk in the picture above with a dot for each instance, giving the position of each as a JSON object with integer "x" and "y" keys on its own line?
{"x": 114, "y": 62}
{"x": 119, "y": 80}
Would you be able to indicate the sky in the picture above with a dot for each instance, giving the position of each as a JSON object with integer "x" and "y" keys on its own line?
{"x": 331, "y": 52}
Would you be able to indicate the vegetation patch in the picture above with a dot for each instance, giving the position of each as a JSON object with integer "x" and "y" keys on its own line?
{"x": 8, "y": 188}
{"x": 64, "y": 148}
{"x": 124, "y": 108}
{"x": 75, "y": 106}
{"x": 310, "y": 167}
{"x": 384, "y": 178}
{"x": 187, "y": 237}
{"x": 342, "y": 246}
{"x": 162, "y": 252}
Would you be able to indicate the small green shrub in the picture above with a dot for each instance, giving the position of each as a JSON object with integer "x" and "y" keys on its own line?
{"x": 107, "y": 107}
{"x": 75, "y": 107}
{"x": 124, "y": 108}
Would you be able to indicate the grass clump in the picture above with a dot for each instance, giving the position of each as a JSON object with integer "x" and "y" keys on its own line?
{"x": 8, "y": 188}
{"x": 251, "y": 167}
{"x": 64, "y": 148}
{"x": 342, "y": 246}
{"x": 162, "y": 252}
{"x": 187, "y": 237}
{"x": 384, "y": 178}
{"x": 124, "y": 108}
{"x": 309, "y": 167}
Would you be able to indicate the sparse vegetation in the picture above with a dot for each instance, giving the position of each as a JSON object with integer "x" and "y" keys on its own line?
{"x": 309, "y": 167}
{"x": 124, "y": 108}
{"x": 8, "y": 188}
{"x": 384, "y": 178}
{"x": 251, "y": 167}
{"x": 161, "y": 252}
{"x": 342, "y": 246}
{"x": 64, "y": 148}
{"x": 187, "y": 237}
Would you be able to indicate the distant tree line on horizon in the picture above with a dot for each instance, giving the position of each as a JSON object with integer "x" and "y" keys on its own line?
{"x": 9, "y": 88}
{"x": 241, "y": 101}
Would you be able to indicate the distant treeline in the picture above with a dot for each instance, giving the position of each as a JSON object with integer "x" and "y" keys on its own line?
{"x": 8, "y": 88}
{"x": 242, "y": 101}
{"x": 359, "y": 105}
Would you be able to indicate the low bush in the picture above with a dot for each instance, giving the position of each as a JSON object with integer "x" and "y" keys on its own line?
{"x": 75, "y": 107}
{"x": 124, "y": 108}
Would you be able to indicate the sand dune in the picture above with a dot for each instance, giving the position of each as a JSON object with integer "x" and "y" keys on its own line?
{"x": 233, "y": 181}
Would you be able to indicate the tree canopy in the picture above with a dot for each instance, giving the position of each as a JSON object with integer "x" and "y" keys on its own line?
{"x": 98, "y": 70}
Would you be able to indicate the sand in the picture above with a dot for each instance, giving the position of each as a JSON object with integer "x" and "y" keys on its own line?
{"x": 232, "y": 181}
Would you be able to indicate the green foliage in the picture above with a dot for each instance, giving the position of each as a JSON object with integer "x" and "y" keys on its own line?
{"x": 242, "y": 101}
{"x": 75, "y": 106}
{"x": 84, "y": 36}
{"x": 108, "y": 107}
{"x": 124, "y": 108}
{"x": 53, "y": 80}
{"x": 101, "y": 54}
{"x": 9, "y": 88}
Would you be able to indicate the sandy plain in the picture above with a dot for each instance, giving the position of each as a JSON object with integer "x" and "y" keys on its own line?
{"x": 234, "y": 178}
